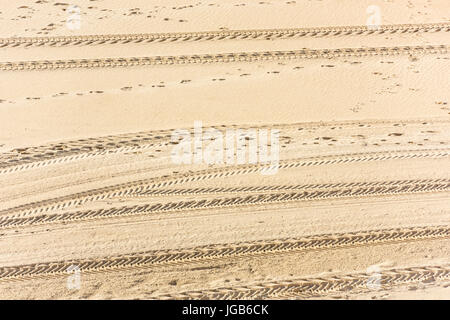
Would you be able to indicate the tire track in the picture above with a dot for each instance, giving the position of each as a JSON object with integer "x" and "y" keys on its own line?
{"x": 34, "y": 162}
{"x": 314, "y": 287}
{"x": 54, "y": 153}
{"x": 220, "y": 58}
{"x": 229, "y": 251}
{"x": 361, "y": 190}
{"x": 142, "y": 186}
{"x": 33, "y": 157}
{"x": 256, "y": 189}
{"x": 258, "y": 34}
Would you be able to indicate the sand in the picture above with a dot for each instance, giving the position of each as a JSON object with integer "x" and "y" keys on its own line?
{"x": 95, "y": 204}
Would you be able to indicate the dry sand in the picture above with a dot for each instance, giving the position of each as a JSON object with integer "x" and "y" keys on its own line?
{"x": 93, "y": 206}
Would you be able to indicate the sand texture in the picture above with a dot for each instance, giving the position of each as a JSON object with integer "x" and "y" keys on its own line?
{"x": 225, "y": 149}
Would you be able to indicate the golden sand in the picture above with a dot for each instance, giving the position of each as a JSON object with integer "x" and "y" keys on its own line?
{"x": 134, "y": 142}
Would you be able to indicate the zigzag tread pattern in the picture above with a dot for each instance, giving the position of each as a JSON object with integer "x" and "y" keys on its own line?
{"x": 362, "y": 190}
{"x": 60, "y": 152}
{"x": 143, "y": 186}
{"x": 314, "y": 287}
{"x": 266, "y": 34}
{"x": 221, "y": 58}
{"x": 233, "y": 250}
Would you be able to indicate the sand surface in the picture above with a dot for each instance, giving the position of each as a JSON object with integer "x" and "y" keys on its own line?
{"x": 350, "y": 202}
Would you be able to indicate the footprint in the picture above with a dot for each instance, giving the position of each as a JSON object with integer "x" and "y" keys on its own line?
{"x": 395, "y": 134}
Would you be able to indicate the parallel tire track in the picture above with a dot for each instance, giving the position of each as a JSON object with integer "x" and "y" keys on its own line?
{"x": 146, "y": 185}
{"x": 362, "y": 190}
{"x": 313, "y": 287}
{"x": 221, "y": 58}
{"x": 271, "y": 188}
{"x": 263, "y": 34}
{"x": 55, "y": 157}
{"x": 233, "y": 250}
{"x": 37, "y": 156}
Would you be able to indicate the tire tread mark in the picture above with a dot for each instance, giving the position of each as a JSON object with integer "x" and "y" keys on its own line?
{"x": 388, "y": 188}
{"x": 229, "y": 250}
{"x": 315, "y": 287}
{"x": 220, "y": 58}
{"x": 59, "y": 152}
{"x": 255, "y": 34}
{"x": 141, "y": 186}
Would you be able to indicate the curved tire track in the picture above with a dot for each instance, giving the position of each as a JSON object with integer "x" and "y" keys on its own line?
{"x": 271, "y": 188}
{"x": 54, "y": 153}
{"x": 146, "y": 185}
{"x": 227, "y": 251}
{"x": 361, "y": 190}
{"x": 313, "y": 287}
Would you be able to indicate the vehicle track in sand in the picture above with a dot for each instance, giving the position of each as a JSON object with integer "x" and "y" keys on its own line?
{"x": 229, "y": 251}
{"x": 361, "y": 190}
{"x": 64, "y": 151}
{"x": 221, "y": 58}
{"x": 255, "y": 34}
{"x": 142, "y": 186}
{"x": 316, "y": 287}
{"x": 256, "y": 189}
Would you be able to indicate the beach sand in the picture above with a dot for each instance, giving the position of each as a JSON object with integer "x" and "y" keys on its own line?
{"x": 238, "y": 150}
